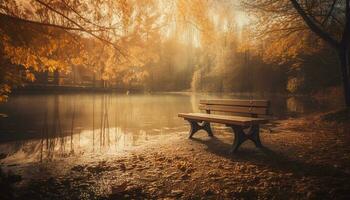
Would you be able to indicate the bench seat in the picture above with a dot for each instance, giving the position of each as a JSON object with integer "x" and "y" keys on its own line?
{"x": 223, "y": 119}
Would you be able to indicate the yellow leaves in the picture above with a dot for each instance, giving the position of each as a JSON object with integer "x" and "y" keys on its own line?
{"x": 135, "y": 76}
{"x": 29, "y": 76}
{"x": 20, "y": 55}
{"x": 31, "y": 61}
{"x": 126, "y": 11}
{"x": 281, "y": 32}
{"x": 77, "y": 61}
{"x": 289, "y": 49}
{"x": 140, "y": 32}
{"x": 49, "y": 64}
{"x": 5, "y": 89}
{"x": 105, "y": 76}
{"x": 294, "y": 84}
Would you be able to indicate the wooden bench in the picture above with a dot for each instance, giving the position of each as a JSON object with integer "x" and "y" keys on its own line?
{"x": 245, "y": 114}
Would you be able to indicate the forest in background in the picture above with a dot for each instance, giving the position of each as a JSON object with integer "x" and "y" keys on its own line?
{"x": 195, "y": 45}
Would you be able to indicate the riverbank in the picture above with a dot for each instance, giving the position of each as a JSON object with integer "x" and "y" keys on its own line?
{"x": 63, "y": 89}
{"x": 305, "y": 158}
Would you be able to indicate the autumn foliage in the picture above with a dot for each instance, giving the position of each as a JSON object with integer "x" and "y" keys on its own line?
{"x": 221, "y": 46}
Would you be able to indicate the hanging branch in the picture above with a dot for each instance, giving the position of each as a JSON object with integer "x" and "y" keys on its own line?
{"x": 81, "y": 27}
{"x": 84, "y": 19}
{"x": 313, "y": 27}
{"x": 329, "y": 14}
{"x": 2, "y": 15}
{"x": 346, "y": 33}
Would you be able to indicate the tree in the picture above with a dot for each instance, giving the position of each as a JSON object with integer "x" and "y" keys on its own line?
{"x": 54, "y": 35}
{"x": 342, "y": 45}
{"x": 329, "y": 20}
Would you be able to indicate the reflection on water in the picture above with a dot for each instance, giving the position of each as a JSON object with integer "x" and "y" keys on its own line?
{"x": 46, "y": 127}
{"x": 85, "y": 142}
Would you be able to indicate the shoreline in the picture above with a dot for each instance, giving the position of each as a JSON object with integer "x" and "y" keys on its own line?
{"x": 304, "y": 159}
{"x": 89, "y": 89}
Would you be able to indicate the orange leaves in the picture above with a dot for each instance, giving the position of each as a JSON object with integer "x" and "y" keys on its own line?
{"x": 5, "y": 89}
{"x": 138, "y": 27}
{"x": 287, "y": 49}
{"x": 40, "y": 54}
{"x": 21, "y": 56}
{"x": 279, "y": 33}
{"x": 135, "y": 76}
{"x": 29, "y": 76}
{"x": 126, "y": 11}
{"x": 195, "y": 13}
{"x": 77, "y": 61}
{"x": 294, "y": 84}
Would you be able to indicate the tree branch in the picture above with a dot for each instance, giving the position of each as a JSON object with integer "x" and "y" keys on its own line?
{"x": 84, "y": 19}
{"x": 329, "y": 14}
{"x": 314, "y": 28}
{"x": 81, "y": 27}
{"x": 2, "y": 15}
{"x": 346, "y": 37}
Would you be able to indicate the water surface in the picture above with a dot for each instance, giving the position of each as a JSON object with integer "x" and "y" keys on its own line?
{"x": 56, "y": 126}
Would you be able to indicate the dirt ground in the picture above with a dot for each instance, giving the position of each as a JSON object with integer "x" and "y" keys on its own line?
{"x": 303, "y": 158}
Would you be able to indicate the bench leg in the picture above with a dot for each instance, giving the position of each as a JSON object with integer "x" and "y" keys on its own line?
{"x": 254, "y": 135}
{"x": 207, "y": 127}
{"x": 241, "y": 136}
{"x": 196, "y": 127}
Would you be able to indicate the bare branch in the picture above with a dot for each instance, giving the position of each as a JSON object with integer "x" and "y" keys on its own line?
{"x": 81, "y": 27}
{"x": 346, "y": 33}
{"x": 329, "y": 12}
{"x": 84, "y": 19}
{"x": 46, "y": 24}
{"x": 314, "y": 28}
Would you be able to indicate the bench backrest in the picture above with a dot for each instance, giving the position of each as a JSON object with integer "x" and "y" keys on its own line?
{"x": 253, "y": 108}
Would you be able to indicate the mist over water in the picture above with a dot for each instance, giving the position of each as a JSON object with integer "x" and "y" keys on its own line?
{"x": 47, "y": 127}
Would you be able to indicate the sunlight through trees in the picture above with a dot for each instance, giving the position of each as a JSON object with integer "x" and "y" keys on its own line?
{"x": 153, "y": 45}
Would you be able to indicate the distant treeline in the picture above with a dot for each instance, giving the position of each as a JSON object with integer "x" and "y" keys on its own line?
{"x": 182, "y": 67}
{"x": 168, "y": 46}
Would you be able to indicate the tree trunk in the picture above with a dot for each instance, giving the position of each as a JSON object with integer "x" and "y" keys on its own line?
{"x": 56, "y": 77}
{"x": 345, "y": 67}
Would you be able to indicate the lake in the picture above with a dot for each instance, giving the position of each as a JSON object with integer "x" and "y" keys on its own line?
{"x": 37, "y": 128}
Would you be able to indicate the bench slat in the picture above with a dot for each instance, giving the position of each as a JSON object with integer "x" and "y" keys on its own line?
{"x": 223, "y": 119}
{"x": 235, "y": 109}
{"x": 236, "y": 102}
